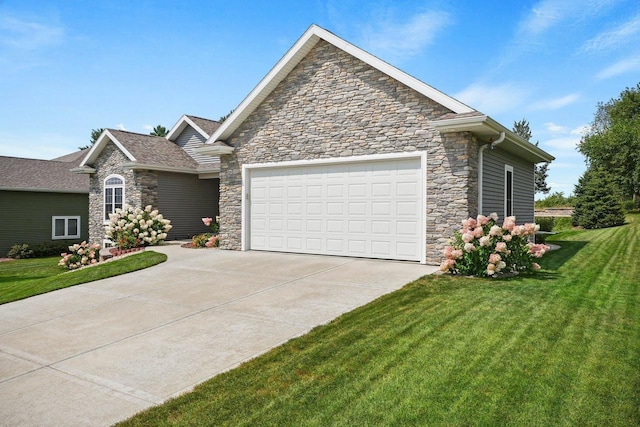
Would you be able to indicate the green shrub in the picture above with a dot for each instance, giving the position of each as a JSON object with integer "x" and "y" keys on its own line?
{"x": 51, "y": 248}
{"x": 546, "y": 223}
{"x": 555, "y": 200}
{"x": 205, "y": 240}
{"x": 597, "y": 200}
{"x": 629, "y": 206}
{"x": 20, "y": 251}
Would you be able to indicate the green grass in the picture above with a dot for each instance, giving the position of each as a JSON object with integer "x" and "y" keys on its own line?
{"x": 28, "y": 277}
{"x": 561, "y": 347}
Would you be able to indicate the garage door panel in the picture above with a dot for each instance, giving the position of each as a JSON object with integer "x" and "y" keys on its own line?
{"x": 365, "y": 209}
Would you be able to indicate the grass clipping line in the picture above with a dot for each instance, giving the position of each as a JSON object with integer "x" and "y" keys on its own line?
{"x": 557, "y": 348}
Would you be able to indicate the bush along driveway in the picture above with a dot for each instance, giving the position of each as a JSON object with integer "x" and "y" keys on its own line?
{"x": 561, "y": 347}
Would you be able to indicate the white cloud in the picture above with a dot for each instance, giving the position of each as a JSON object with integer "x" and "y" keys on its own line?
{"x": 148, "y": 127}
{"x": 36, "y": 145}
{"x": 28, "y": 35}
{"x": 554, "y": 128}
{"x": 400, "y": 40}
{"x": 121, "y": 126}
{"x": 563, "y": 143}
{"x": 493, "y": 99}
{"x": 613, "y": 38}
{"x": 556, "y": 103}
{"x": 621, "y": 67}
{"x": 580, "y": 130}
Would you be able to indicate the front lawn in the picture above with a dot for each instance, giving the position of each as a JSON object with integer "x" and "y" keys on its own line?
{"x": 561, "y": 347}
{"x": 27, "y": 277}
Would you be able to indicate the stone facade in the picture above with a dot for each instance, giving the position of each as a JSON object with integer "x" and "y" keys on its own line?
{"x": 141, "y": 188}
{"x": 334, "y": 105}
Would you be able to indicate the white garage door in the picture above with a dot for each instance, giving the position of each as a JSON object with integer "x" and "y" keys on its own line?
{"x": 371, "y": 209}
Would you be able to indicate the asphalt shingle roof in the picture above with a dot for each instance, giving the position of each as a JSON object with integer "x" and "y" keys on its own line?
{"x": 17, "y": 173}
{"x": 154, "y": 150}
{"x": 209, "y": 126}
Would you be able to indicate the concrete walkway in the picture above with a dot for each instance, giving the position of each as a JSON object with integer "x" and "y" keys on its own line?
{"x": 98, "y": 353}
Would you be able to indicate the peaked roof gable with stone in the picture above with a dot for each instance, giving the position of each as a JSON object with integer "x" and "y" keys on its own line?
{"x": 143, "y": 152}
{"x": 465, "y": 117}
{"x": 299, "y": 50}
{"x": 20, "y": 174}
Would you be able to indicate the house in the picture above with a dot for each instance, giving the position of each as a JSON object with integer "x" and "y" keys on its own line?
{"x": 165, "y": 172}
{"x": 337, "y": 152}
{"x": 42, "y": 201}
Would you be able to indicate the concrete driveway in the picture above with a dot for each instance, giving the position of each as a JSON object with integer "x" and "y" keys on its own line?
{"x": 98, "y": 353}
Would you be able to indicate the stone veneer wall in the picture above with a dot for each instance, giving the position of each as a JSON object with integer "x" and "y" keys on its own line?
{"x": 141, "y": 188}
{"x": 334, "y": 105}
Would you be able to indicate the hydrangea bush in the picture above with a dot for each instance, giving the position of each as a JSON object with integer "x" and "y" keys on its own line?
{"x": 135, "y": 227}
{"x": 483, "y": 248}
{"x": 79, "y": 255}
{"x": 208, "y": 240}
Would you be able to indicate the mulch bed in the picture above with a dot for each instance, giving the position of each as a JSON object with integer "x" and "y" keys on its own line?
{"x": 6, "y": 259}
{"x": 117, "y": 252}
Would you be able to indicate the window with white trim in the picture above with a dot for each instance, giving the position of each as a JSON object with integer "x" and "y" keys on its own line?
{"x": 508, "y": 190}
{"x": 113, "y": 195}
{"x": 65, "y": 227}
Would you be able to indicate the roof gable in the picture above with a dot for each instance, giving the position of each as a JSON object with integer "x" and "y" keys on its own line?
{"x": 204, "y": 127}
{"x": 299, "y": 50}
{"x": 142, "y": 151}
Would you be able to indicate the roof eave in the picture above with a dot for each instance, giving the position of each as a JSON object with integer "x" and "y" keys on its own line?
{"x": 99, "y": 145}
{"x": 44, "y": 190}
{"x": 214, "y": 150}
{"x": 486, "y": 127}
{"x": 83, "y": 169}
{"x": 161, "y": 168}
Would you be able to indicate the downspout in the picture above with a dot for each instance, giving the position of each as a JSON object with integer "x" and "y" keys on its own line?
{"x": 491, "y": 144}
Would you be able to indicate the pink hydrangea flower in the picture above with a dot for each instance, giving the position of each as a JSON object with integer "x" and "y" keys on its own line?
{"x": 467, "y": 237}
{"x": 485, "y": 241}
{"x": 478, "y": 232}
{"x": 207, "y": 221}
{"x": 501, "y": 247}
{"x": 482, "y": 220}
{"x": 469, "y": 247}
{"x": 493, "y": 216}
{"x": 495, "y": 231}
{"x": 469, "y": 223}
{"x": 495, "y": 258}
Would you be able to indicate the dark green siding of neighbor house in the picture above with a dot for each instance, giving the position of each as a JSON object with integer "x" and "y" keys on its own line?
{"x": 493, "y": 176}
{"x": 25, "y": 216}
{"x": 185, "y": 200}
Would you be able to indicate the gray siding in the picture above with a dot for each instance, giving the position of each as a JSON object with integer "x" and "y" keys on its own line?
{"x": 189, "y": 140}
{"x": 493, "y": 185}
{"x": 25, "y": 217}
{"x": 185, "y": 200}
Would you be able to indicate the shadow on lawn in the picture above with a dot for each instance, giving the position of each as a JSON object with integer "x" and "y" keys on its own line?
{"x": 568, "y": 249}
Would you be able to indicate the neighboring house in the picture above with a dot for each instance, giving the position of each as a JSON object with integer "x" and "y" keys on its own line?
{"x": 166, "y": 173}
{"x": 42, "y": 201}
{"x": 337, "y": 152}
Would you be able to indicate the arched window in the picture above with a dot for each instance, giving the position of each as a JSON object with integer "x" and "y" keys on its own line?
{"x": 113, "y": 194}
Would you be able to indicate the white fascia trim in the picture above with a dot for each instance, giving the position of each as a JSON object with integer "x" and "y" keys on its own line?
{"x": 298, "y": 51}
{"x": 177, "y": 129}
{"x": 214, "y": 150}
{"x": 246, "y": 176}
{"x": 84, "y": 169}
{"x": 43, "y": 190}
{"x": 97, "y": 148}
{"x": 335, "y": 160}
{"x": 137, "y": 166}
{"x": 469, "y": 124}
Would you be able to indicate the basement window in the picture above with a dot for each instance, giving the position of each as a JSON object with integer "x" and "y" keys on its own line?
{"x": 65, "y": 227}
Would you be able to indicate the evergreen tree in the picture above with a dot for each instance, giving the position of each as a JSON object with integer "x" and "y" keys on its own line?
{"x": 159, "y": 131}
{"x": 540, "y": 171}
{"x": 597, "y": 200}
{"x": 95, "y": 134}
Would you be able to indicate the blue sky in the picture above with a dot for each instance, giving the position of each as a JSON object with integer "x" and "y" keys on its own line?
{"x": 70, "y": 66}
